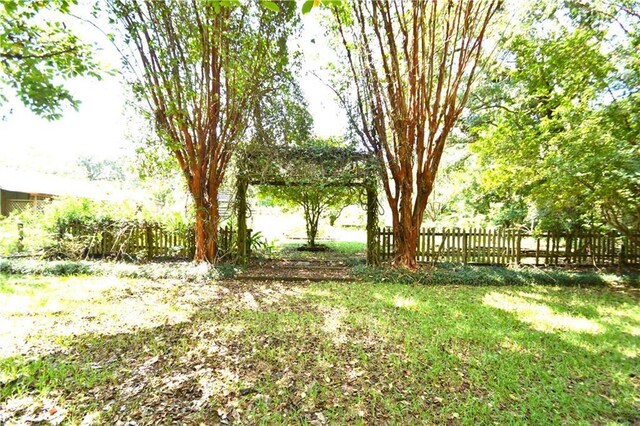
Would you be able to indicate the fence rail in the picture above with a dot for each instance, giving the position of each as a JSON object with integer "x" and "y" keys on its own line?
{"x": 142, "y": 240}
{"x": 508, "y": 246}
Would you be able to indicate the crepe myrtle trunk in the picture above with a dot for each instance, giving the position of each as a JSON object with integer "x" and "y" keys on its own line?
{"x": 407, "y": 220}
{"x": 206, "y": 233}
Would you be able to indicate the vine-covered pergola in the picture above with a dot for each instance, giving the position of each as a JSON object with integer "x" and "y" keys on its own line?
{"x": 299, "y": 166}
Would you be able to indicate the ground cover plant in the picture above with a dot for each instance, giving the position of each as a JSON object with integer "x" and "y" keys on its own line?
{"x": 185, "y": 271}
{"x": 104, "y": 349}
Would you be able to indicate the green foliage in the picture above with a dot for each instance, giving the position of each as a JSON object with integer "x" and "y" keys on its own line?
{"x": 307, "y": 6}
{"x": 37, "y": 52}
{"x": 555, "y": 127}
{"x": 491, "y": 276}
{"x": 316, "y": 184}
{"x": 96, "y": 170}
{"x": 45, "y": 232}
{"x": 184, "y": 271}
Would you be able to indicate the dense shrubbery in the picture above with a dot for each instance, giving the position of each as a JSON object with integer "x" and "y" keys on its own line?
{"x": 492, "y": 275}
{"x": 45, "y": 233}
{"x": 184, "y": 271}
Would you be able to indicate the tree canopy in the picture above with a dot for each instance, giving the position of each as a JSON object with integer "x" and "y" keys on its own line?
{"x": 38, "y": 52}
{"x": 200, "y": 67}
{"x": 555, "y": 128}
{"x": 321, "y": 176}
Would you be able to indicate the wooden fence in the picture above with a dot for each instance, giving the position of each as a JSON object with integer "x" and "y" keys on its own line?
{"x": 141, "y": 240}
{"x": 508, "y": 246}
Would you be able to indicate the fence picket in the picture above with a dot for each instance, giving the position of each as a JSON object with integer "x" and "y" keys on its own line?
{"x": 508, "y": 246}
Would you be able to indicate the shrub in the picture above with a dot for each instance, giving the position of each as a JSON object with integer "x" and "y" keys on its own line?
{"x": 47, "y": 233}
{"x": 184, "y": 271}
{"x": 492, "y": 275}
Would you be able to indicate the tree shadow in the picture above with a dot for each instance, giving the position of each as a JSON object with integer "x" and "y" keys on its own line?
{"x": 525, "y": 357}
{"x": 367, "y": 348}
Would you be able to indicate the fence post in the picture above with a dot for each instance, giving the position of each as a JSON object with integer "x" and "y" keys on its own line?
{"x": 464, "y": 247}
{"x": 241, "y": 212}
{"x": 20, "y": 236}
{"x": 519, "y": 247}
{"x": 373, "y": 234}
{"x": 149, "y": 233}
{"x": 622, "y": 259}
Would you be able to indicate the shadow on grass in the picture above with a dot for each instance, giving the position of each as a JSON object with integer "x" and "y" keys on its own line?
{"x": 496, "y": 276}
{"x": 530, "y": 361}
{"x": 350, "y": 353}
{"x": 146, "y": 374}
{"x": 349, "y": 253}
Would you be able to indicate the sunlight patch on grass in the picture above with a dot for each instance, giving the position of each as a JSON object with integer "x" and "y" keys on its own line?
{"x": 513, "y": 346}
{"x": 70, "y": 306}
{"x": 541, "y": 317}
{"x": 334, "y": 323}
{"x": 404, "y": 302}
{"x": 391, "y": 353}
{"x": 319, "y": 293}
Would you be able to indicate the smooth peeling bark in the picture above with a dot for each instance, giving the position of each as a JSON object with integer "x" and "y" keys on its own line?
{"x": 200, "y": 66}
{"x": 412, "y": 66}
{"x": 206, "y": 232}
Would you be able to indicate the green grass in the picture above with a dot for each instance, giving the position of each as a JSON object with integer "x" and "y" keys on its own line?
{"x": 361, "y": 353}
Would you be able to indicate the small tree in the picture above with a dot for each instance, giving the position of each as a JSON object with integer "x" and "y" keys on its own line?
{"x": 317, "y": 201}
{"x": 200, "y": 66}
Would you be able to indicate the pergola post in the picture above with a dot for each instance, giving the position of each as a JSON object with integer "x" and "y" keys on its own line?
{"x": 373, "y": 249}
{"x": 241, "y": 202}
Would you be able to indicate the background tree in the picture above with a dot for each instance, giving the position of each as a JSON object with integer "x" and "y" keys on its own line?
{"x": 38, "y": 52}
{"x": 108, "y": 169}
{"x": 201, "y": 66}
{"x": 555, "y": 129}
{"x": 412, "y": 66}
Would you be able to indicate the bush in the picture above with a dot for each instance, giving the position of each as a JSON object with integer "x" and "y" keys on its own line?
{"x": 46, "y": 233}
{"x": 184, "y": 271}
{"x": 492, "y": 276}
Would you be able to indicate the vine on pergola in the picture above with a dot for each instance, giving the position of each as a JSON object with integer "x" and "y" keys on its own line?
{"x": 306, "y": 166}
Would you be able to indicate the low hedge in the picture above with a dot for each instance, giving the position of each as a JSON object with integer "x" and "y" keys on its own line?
{"x": 494, "y": 276}
{"x": 185, "y": 271}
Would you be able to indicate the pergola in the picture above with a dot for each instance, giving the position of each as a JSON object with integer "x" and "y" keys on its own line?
{"x": 309, "y": 165}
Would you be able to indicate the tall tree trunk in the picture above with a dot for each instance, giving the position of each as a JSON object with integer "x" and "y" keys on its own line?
{"x": 406, "y": 227}
{"x": 406, "y": 245}
{"x": 207, "y": 221}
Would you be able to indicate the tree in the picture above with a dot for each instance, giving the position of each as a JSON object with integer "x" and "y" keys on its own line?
{"x": 312, "y": 184}
{"x": 412, "y": 66}
{"x": 107, "y": 169}
{"x": 201, "y": 65}
{"x": 557, "y": 131}
{"x": 38, "y": 52}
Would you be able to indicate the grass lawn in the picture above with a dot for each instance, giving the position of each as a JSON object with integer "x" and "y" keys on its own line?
{"x": 103, "y": 350}
{"x": 338, "y": 251}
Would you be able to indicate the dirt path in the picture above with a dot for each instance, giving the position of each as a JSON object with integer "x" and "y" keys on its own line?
{"x": 296, "y": 270}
